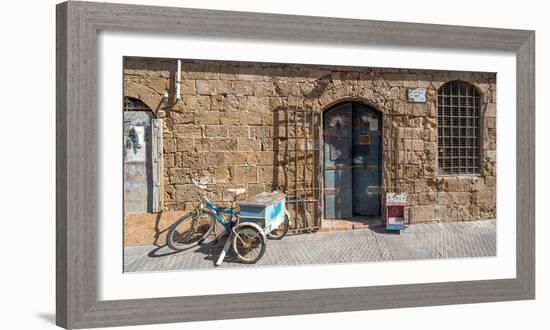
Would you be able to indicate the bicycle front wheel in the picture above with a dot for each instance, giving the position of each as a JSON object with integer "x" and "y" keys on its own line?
{"x": 248, "y": 243}
{"x": 190, "y": 230}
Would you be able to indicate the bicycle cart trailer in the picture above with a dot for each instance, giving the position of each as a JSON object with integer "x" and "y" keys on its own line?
{"x": 266, "y": 211}
{"x": 263, "y": 215}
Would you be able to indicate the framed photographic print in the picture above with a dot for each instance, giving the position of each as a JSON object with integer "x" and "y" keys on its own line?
{"x": 321, "y": 164}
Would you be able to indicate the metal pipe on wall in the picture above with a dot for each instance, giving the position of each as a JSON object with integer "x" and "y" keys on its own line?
{"x": 178, "y": 80}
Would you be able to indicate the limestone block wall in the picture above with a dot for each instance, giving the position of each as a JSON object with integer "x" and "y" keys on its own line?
{"x": 225, "y": 128}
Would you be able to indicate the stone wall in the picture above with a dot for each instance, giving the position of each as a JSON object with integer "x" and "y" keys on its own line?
{"x": 225, "y": 124}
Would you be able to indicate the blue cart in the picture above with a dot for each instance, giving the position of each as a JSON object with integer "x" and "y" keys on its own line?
{"x": 266, "y": 212}
{"x": 266, "y": 209}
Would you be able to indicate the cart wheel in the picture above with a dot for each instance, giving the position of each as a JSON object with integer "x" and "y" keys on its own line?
{"x": 248, "y": 242}
{"x": 280, "y": 231}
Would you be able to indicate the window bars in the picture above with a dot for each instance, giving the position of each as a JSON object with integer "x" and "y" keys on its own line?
{"x": 297, "y": 142}
{"x": 458, "y": 106}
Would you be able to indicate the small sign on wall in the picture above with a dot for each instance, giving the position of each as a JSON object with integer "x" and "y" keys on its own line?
{"x": 396, "y": 198}
{"x": 417, "y": 95}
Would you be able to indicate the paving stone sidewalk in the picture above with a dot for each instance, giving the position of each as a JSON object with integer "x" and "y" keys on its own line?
{"x": 418, "y": 241}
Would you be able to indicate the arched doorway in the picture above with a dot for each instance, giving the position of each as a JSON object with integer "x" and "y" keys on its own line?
{"x": 352, "y": 164}
{"x": 142, "y": 135}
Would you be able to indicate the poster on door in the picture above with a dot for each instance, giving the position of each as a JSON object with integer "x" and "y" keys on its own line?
{"x": 134, "y": 144}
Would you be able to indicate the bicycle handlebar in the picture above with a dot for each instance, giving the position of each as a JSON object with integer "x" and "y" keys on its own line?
{"x": 203, "y": 186}
{"x": 199, "y": 185}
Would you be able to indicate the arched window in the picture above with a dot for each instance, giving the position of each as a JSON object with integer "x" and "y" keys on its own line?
{"x": 133, "y": 104}
{"x": 458, "y": 110}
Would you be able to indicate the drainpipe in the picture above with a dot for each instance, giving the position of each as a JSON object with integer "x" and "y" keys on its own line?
{"x": 178, "y": 80}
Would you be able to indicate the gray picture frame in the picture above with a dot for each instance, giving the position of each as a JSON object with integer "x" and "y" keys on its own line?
{"x": 77, "y": 151}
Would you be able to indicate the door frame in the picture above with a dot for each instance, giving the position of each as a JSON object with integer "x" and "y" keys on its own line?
{"x": 321, "y": 173}
{"x": 155, "y": 185}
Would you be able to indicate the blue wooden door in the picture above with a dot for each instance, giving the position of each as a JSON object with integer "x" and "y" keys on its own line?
{"x": 337, "y": 135}
{"x": 366, "y": 155}
{"x": 352, "y": 154}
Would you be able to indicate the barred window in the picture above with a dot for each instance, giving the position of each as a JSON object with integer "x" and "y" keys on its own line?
{"x": 458, "y": 110}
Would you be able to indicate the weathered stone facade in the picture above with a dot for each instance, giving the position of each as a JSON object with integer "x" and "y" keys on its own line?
{"x": 225, "y": 127}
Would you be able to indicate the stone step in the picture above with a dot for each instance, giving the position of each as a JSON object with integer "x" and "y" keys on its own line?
{"x": 346, "y": 224}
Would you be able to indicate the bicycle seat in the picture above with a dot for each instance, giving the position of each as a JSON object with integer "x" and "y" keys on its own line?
{"x": 237, "y": 192}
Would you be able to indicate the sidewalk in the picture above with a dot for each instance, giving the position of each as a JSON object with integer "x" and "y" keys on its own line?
{"x": 419, "y": 241}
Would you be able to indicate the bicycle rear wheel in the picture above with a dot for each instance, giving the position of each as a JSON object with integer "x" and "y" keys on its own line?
{"x": 248, "y": 243}
{"x": 190, "y": 230}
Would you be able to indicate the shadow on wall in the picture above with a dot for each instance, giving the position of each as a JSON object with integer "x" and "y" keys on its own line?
{"x": 149, "y": 228}
{"x": 47, "y": 317}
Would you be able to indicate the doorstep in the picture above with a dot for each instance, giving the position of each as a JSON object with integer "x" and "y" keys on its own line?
{"x": 356, "y": 223}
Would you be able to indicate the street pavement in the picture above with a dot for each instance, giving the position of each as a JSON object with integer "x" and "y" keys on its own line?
{"x": 417, "y": 241}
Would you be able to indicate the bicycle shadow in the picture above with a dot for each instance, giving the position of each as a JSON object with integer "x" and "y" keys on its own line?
{"x": 156, "y": 254}
{"x": 211, "y": 250}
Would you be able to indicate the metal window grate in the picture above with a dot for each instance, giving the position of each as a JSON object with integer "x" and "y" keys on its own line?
{"x": 298, "y": 137}
{"x": 133, "y": 104}
{"x": 458, "y": 106}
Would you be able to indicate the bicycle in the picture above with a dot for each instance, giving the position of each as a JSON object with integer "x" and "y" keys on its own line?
{"x": 247, "y": 239}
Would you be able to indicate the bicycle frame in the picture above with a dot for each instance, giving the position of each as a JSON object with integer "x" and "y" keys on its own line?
{"x": 218, "y": 211}
{"x": 228, "y": 225}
